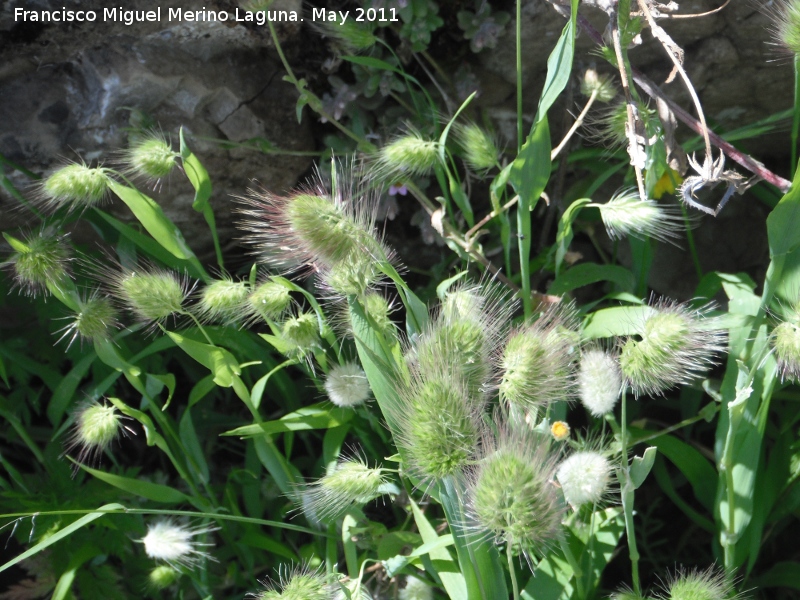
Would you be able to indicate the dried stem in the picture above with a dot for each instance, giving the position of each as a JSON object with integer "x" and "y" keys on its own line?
{"x": 578, "y": 122}
{"x": 652, "y": 90}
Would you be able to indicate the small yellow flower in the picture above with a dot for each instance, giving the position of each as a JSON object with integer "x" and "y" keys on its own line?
{"x": 668, "y": 183}
{"x": 560, "y": 431}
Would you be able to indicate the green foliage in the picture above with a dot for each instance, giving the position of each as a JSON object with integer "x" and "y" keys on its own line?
{"x": 200, "y": 422}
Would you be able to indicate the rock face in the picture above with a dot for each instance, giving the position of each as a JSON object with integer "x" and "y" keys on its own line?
{"x": 71, "y": 91}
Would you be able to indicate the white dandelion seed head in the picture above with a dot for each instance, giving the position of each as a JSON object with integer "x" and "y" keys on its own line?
{"x": 584, "y": 477}
{"x": 599, "y": 382}
{"x": 347, "y": 385}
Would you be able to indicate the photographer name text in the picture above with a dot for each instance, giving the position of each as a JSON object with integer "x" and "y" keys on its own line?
{"x": 129, "y": 17}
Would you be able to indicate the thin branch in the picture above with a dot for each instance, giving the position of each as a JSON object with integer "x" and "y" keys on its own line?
{"x": 633, "y": 143}
{"x": 652, "y": 90}
{"x": 578, "y": 122}
{"x": 697, "y": 15}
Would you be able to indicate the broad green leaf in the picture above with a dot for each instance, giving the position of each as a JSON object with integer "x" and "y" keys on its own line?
{"x": 783, "y": 223}
{"x": 588, "y": 273}
{"x": 198, "y": 176}
{"x": 63, "y": 589}
{"x": 783, "y": 574}
{"x": 559, "y": 65}
{"x": 153, "y": 219}
{"x": 665, "y": 482}
{"x": 222, "y": 364}
{"x": 255, "y": 539}
{"x": 319, "y": 416}
{"x": 641, "y": 465}
{"x": 148, "y": 245}
{"x": 191, "y": 446}
{"x": 65, "y": 392}
{"x": 398, "y": 542}
{"x": 61, "y": 534}
{"x": 691, "y": 463}
{"x": 139, "y": 487}
{"x": 452, "y": 580}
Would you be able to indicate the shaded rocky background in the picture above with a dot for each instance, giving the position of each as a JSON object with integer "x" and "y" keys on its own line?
{"x": 67, "y": 91}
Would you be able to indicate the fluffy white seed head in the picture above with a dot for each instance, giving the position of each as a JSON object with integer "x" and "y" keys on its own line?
{"x": 347, "y": 385}
{"x": 298, "y": 583}
{"x": 599, "y": 382}
{"x": 584, "y": 477}
{"x": 174, "y": 544}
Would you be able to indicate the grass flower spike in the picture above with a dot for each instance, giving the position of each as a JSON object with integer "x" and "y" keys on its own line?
{"x": 511, "y": 495}
{"x": 268, "y": 301}
{"x": 350, "y": 483}
{"x": 628, "y": 215}
{"x": 151, "y": 157}
{"x": 677, "y": 345}
{"x": 96, "y": 427}
{"x": 161, "y": 577}
{"x": 601, "y": 85}
{"x": 480, "y": 150}
{"x": 347, "y": 385}
{"x": 151, "y": 293}
{"x": 39, "y": 259}
{"x": 710, "y": 584}
{"x": 785, "y": 16}
{"x": 440, "y": 429}
{"x": 599, "y": 382}
{"x": 537, "y": 363}
{"x": 174, "y": 544}
{"x": 329, "y": 234}
{"x": 584, "y": 477}
{"x": 301, "y": 583}
{"x": 786, "y": 342}
{"x": 75, "y": 186}
{"x": 301, "y": 333}
{"x": 223, "y": 301}
{"x": 409, "y": 155}
{"x": 96, "y": 319}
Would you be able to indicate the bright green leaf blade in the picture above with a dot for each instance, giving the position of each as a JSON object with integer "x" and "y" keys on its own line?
{"x": 320, "y": 416}
{"x": 588, "y": 273}
{"x": 146, "y": 489}
{"x": 61, "y": 534}
{"x": 222, "y": 364}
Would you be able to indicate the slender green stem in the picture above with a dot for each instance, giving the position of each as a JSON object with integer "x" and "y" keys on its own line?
{"x": 199, "y": 325}
{"x": 512, "y": 571}
{"x": 690, "y": 240}
{"x": 627, "y": 500}
{"x": 574, "y": 565}
{"x": 519, "y": 74}
{"x": 796, "y": 115}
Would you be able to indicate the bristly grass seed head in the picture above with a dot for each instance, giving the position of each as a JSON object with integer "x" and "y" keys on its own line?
{"x": 40, "y": 258}
{"x": 317, "y": 231}
{"x": 174, "y": 544}
{"x": 268, "y": 301}
{"x": 678, "y": 344}
{"x": 440, "y": 427}
{"x": 511, "y": 495}
{"x": 96, "y": 427}
{"x": 480, "y": 150}
{"x": 785, "y": 29}
{"x": 75, "y": 186}
{"x": 785, "y": 340}
{"x": 599, "y": 382}
{"x": 408, "y": 155}
{"x": 151, "y": 293}
{"x": 350, "y": 483}
{"x": 708, "y": 584}
{"x": 348, "y": 37}
{"x": 415, "y": 589}
{"x": 465, "y": 335}
{"x": 538, "y": 362}
{"x": 96, "y": 319}
{"x": 161, "y": 577}
{"x": 301, "y": 334}
{"x": 609, "y": 125}
{"x": 223, "y": 301}
{"x": 150, "y": 157}
{"x": 626, "y": 214}
{"x": 347, "y": 385}
{"x": 299, "y": 583}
